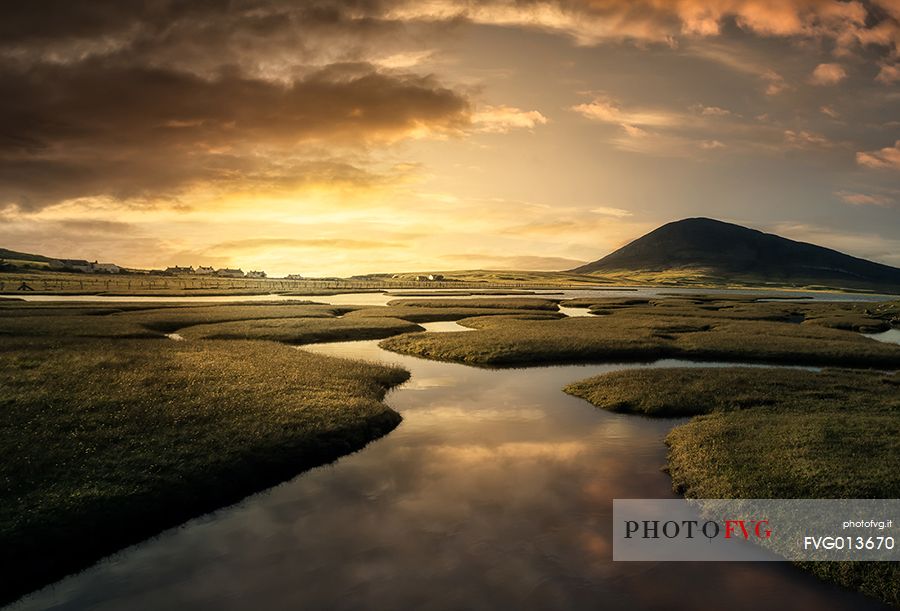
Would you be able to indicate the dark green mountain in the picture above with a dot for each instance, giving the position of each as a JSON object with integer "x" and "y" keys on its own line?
{"x": 704, "y": 247}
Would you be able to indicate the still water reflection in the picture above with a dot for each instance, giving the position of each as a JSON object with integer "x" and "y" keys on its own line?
{"x": 495, "y": 492}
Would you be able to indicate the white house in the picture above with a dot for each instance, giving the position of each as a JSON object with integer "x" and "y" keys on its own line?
{"x": 204, "y": 271}
{"x": 252, "y": 274}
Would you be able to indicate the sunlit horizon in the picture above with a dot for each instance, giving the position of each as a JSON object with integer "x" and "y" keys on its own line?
{"x": 336, "y": 140}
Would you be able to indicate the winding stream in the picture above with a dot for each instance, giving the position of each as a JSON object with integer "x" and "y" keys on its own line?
{"x": 495, "y": 492}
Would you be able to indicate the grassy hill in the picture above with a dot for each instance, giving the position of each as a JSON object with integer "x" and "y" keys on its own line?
{"x": 22, "y": 256}
{"x": 707, "y": 251}
{"x": 25, "y": 260}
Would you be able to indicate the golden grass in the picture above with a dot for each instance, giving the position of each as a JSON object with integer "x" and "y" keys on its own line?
{"x": 303, "y": 330}
{"x": 421, "y": 314}
{"x": 105, "y": 442}
{"x": 632, "y": 333}
{"x": 512, "y": 303}
{"x": 774, "y": 433}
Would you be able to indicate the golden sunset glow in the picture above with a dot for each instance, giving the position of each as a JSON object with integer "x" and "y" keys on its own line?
{"x": 339, "y": 138}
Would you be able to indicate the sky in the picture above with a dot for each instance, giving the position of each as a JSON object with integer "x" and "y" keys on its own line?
{"x": 347, "y": 137}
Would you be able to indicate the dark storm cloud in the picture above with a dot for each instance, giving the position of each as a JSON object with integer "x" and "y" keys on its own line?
{"x": 100, "y": 102}
{"x": 56, "y": 20}
{"x": 138, "y": 100}
{"x": 199, "y": 32}
{"x": 105, "y": 127}
{"x": 200, "y": 36}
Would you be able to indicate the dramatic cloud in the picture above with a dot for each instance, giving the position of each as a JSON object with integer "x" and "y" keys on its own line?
{"x": 261, "y": 38}
{"x": 888, "y": 157}
{"x": 145, "y": 103}
{"x": 848, "y": 24}
{"x": 588, "y": 21}
{"x": 103, "y": 100}
{"x": 101, "y": 128}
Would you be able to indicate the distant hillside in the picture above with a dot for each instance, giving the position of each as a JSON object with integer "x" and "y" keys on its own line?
{"x": 702, "y": 248}
{"x": 12, "y": 255}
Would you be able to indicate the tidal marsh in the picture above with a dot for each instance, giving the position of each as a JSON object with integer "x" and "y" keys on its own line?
{"x": 449, "y": 312}
{"x": 303, "y": 330}
{"x": 866, "y": 317}
{"x": 105, "y": 442}
{"x": 635, "y": 331}
{"x": 511, "y": 303}
{"x": 110, "y": 432}
{"x": 774, "y": 433}
{"x": 768, "y": 433}
{"x": 142, "y": 321}
{"x": 136, "y": 435}
{"x": 674, "y": 392}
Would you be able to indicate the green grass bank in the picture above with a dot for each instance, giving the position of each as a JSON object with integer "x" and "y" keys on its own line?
{"x": 774, "y": 433}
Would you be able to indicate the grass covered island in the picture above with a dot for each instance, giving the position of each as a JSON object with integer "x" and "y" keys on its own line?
{"x": 774, "y": 433}
{"x": 733, "y": 329}
{"x": 108, "y": 441}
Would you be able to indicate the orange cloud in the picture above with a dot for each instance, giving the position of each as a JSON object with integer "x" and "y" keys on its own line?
{"x": 888, "y": 157}
{"x": 501, "y": 119}
{"x": 828, "y": 74}
{"x": 663, "y": 21}
{"x": 604, "y": 109}
{"x": 888, "y": 73}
